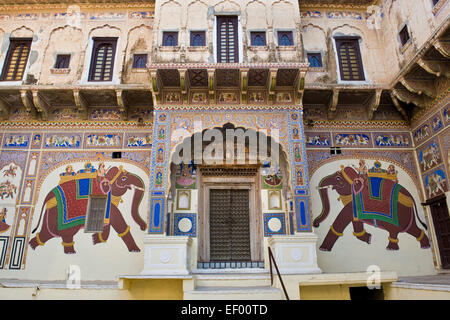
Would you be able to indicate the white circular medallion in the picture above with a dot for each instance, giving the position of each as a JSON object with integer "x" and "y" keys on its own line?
{"x": 164, "y": 256}
{"x": 274, "y": 224}
{"x": 185, "y": 225}
{"x": 296, "y": 254}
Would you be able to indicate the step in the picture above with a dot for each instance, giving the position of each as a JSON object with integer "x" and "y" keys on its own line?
{"x": 232, "y": 280}
{"x": 233, "y": 293}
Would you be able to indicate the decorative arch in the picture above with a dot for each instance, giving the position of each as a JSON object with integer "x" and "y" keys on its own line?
{"x": 227, "y": 6}
{"x": 284, "y": 149}
{"x": 173, "y": 19}
{"x": 256, "y": 3}
{"x": 22, "y": 32}
{"x": 198, "y": 3}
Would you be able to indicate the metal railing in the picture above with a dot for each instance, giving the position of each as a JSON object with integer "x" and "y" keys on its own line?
{"x": 272, "y": 260}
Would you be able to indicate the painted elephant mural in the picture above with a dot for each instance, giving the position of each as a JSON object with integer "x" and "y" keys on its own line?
{"x": 370, "y": 196}
{"x": 64, "y": 209}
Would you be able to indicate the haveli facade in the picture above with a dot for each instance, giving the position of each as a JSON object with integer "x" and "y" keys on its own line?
{"x": 97, "y": 97}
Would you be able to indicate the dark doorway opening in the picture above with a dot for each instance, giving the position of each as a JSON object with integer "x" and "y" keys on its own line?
{"x": 364, "y": 294}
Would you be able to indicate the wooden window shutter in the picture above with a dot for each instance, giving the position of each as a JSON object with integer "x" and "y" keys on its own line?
{"x": 62, "y": 61}
{"x": 350, "y": 62}
{"x": 102, "y": 64}
{"x": 16, "y": 59}
{"x": 96, "y": 214}
{"x": 227, "y": 39}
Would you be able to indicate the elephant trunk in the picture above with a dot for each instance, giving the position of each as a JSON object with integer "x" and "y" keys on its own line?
{"x": 325, "y": 204}
{"x": 137, "y": 198}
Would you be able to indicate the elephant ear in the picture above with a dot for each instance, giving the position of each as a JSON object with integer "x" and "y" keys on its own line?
{"x": 111, "y": 173}
{"x": 351, "y": 173}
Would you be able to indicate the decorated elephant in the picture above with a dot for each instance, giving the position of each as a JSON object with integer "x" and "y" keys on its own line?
{"x": 64, "y": 208}
{"x": 374, "y": 198}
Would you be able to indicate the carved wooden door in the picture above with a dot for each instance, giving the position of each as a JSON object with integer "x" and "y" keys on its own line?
{"x": 229, "y": 225}
{"x": 441, "y": 220}
{"x": 227, "y": 39}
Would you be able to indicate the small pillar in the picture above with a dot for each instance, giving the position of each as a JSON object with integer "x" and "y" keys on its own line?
{"x": 166, "y": 256}
{"x": 295, "y": 254}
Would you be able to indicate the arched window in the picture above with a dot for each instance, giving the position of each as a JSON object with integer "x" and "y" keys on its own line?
{"x": 285, "y": 38}
{"x": 16, "y": 59}
{"x": 227, "y": 39}
{"x": 102, "y": 64}
{"x": 170, "y": 39}
{"x": 349, "y": 56}
{"x": 198, "y": 39}
{"x": 258, "y": 38}
{"x": 315, "y": 60}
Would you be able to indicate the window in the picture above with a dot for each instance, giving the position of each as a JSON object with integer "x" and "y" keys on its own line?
{"x": 315, "y": 60}
{"x": 170, "y": 39}
{"x": 62, "y": 61}
{"x": 258, "y": 38}
{"x": 139, "y": 61}
{"x": 285, "y": 38}
{"x": 349, "y": 56}
{"x": 198, "y": 39}
{"x": 16, "y": 59}
{"x": 227, "y": 39}
{"x": 404, "y": 35}
{"x": 102, "y": 64}
{"x": 96, "y": 214}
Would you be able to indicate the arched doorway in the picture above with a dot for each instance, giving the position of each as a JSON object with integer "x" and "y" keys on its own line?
{"x": 221, "y": 192}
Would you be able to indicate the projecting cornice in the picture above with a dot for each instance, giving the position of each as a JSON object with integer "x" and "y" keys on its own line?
{"x": 337, "y": 4}
{"x": 13, "y": 5}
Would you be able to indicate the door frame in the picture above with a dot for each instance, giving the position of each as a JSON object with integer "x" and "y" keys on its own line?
{"x": 255, "y": 218}
{"x": 437, "y": 241}
{"x": 239, "y": 35}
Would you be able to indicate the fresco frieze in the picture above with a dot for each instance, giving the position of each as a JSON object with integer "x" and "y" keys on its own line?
{"x": 371, "y": 194}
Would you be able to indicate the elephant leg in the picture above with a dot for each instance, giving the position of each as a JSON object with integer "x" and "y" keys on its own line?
{"x": 420, "y": 236}
{"x": 393, "y": 240}
{"x": 67, "y": 242}
{"x": 101, "y": 236}
{"x": 123, "y": 230}
{"x": 360, "y": 233}
{"x": 42, "y": 236}
{"x": 337, "y": 228}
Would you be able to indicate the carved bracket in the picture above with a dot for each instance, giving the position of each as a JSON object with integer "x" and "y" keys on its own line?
{"x": 41, "y": 104}
{"x": 122, "y": 104}
{"x": 374, "y": 103}
{"x": 333, "y": 104}
{"x": 27, "y": 101}
{"x": 81, "y": 104}
{"x": 419, "y": 86}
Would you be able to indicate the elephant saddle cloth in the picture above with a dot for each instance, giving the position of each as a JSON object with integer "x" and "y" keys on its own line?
{"x": 378, "y": 200}
{"x": 72, "y": 198}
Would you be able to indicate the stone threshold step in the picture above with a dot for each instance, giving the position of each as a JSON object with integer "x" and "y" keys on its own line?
{"x": 231, "y": 290}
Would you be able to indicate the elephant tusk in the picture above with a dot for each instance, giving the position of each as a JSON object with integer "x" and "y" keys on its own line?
{"x": 138, "y": 188}
{"x": 326, "y": 187}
